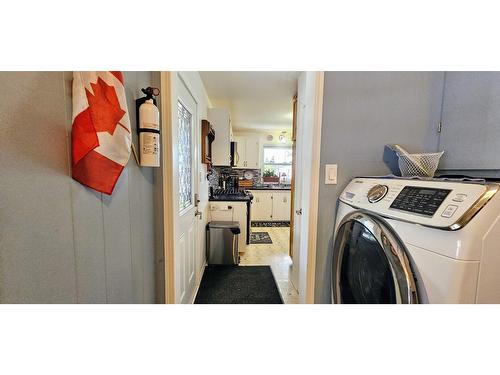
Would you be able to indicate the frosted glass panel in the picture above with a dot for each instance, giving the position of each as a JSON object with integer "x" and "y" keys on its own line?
{"x": 185, "y": 159}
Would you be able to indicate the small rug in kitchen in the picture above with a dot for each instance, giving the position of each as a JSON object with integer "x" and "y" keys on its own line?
{"x": 260, "y": 238}
{"x": 262, "y": 224}
{"x": 238, "y": 285}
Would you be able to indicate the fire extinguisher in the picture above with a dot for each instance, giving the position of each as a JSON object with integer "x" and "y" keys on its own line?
{"x": 148, "y": 127}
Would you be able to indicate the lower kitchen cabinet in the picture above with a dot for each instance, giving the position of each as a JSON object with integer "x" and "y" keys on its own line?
{"x": 281, "y": 206}
{"x": 231, "y": 211}
{"x": 262, "y": 206}
{"x": 270, "y": 205}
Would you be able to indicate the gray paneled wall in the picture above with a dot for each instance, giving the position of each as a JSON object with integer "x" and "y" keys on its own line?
{"x": 362, "y": 111}
{"x": 59, "y": 241}
{"x": 471, "y": 122}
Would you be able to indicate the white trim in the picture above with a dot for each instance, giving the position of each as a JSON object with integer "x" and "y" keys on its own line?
{"x": 167, "y": 193}
{"x": 314, "y": 196}
{"x": 197, "y": 285}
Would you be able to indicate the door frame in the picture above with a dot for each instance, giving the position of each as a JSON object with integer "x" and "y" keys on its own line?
{"x": 311, "y": 225}
{"x": 166, "y": 269}
{"x": 166, "y": 274}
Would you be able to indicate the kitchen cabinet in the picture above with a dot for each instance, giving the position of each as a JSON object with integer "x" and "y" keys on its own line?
{"x": 248, "y": 152}
{"x": 471, "y": 121}
{"x": 231, "y": 211}
{"x": 220, "y": 120}
{"x": 270, "y": 205}
{"x": 281, "y": 206}
{"x": 262, "y": 206}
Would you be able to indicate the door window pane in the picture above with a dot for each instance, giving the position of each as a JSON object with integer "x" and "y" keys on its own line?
{"x": 365, "y": 274}
{"x": 185, "y": 159}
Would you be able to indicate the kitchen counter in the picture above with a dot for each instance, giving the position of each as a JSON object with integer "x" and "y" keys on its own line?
{"x": 270, "y": 188}
{"x": 230, "y": 197}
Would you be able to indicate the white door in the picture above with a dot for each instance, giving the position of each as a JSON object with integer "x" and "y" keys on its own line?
{"x": 299, "y": 171}
{"x": 306, "y": 101}
{"x": 252, "y": 152}
{"x": 185, "y": 150}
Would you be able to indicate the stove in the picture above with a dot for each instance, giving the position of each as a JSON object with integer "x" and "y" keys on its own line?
{"x": 234, "y": 195}
{"x": 230, "y": 194}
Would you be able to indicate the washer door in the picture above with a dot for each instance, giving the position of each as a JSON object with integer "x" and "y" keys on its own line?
{"x": 370, "y": 263}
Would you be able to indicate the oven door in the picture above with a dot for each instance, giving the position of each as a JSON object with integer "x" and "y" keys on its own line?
{"x": 370, "y": 263}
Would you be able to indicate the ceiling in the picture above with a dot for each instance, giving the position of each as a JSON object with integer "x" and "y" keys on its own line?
{"x": 258, "y": 101}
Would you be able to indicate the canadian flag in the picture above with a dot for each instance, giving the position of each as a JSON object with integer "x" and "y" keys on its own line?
{"x": 101, "y": 136}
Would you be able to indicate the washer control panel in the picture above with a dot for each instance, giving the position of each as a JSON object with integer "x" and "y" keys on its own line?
{"x": 420, "y": 200}
{"x": 436, "y": 203}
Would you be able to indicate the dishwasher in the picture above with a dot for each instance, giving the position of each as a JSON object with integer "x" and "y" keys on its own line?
{"x": 222, "y": 242}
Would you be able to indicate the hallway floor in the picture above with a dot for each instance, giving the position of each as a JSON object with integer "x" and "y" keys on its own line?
{"x": 276, "y": 256}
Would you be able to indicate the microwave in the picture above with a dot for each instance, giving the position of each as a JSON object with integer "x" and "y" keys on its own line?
{"x": 234, "y": 153}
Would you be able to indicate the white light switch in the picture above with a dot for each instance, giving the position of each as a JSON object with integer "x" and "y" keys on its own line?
{"x": 331, "y": 174}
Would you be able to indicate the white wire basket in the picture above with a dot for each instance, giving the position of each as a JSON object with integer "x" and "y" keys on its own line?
{"x": 422, "y": 165}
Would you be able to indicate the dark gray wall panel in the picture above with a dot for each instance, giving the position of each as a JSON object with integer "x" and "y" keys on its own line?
{"x": 362, "y": 111}
{"x": 37, "y": 262}
{"x": 471, "y": 121}
{"x": 89, "y": 244}
{"x": 141, "y": 206}
{"x": 60, "y": 241}
{"x": 116, "y": 217}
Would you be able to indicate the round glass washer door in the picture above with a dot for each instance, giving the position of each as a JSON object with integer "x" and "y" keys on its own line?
{"x": 370, "y": 263}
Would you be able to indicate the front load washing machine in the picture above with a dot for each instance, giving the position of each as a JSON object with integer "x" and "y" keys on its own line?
{"x": 417, "y": 241}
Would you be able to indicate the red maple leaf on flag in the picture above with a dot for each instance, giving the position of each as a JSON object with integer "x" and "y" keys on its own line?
{"x": 104, "y": 107}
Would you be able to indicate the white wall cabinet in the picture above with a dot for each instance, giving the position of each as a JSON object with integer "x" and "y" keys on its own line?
{"x": 220, "y": 120}
{"x": 248, "y": 152}
{"x": 270, "y": 205}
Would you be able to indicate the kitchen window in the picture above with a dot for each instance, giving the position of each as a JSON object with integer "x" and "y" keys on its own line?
{"x": 279, "y": 160}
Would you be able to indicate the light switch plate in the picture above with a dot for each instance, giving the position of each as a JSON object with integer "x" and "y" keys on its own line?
{"x": 331, "y": 174}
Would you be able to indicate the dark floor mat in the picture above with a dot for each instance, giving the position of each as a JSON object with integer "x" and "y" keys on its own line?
{"x": 260, "y": 238}
{"x": 238, "y": 284}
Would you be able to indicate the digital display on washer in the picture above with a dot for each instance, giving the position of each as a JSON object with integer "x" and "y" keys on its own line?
{"x": 424, "y": 201}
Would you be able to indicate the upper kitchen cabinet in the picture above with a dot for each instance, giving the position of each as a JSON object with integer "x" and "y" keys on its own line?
{"x": 221, "y": 147}
{"x": 247, "y": 152}
{"x": 470, "y": 132}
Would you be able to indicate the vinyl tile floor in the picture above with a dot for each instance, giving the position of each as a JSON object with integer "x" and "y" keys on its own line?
{"x": 276, "y": 256}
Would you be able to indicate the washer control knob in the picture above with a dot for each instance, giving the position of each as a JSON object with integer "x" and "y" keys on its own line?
{"x": 376, "y": 193}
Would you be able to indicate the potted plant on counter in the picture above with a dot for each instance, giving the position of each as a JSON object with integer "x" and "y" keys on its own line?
{"x": 270, "y": 176}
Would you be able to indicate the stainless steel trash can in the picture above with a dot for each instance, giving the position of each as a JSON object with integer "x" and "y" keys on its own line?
{"x": 222, "y": 242}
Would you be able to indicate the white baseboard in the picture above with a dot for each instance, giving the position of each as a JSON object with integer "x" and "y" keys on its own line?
{"x": 197, "y": 285}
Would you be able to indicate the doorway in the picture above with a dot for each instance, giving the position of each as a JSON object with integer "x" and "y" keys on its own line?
{"x": 261, "y": 167}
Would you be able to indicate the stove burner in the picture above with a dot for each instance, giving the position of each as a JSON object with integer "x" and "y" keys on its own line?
{"x": 229, "y": 191}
